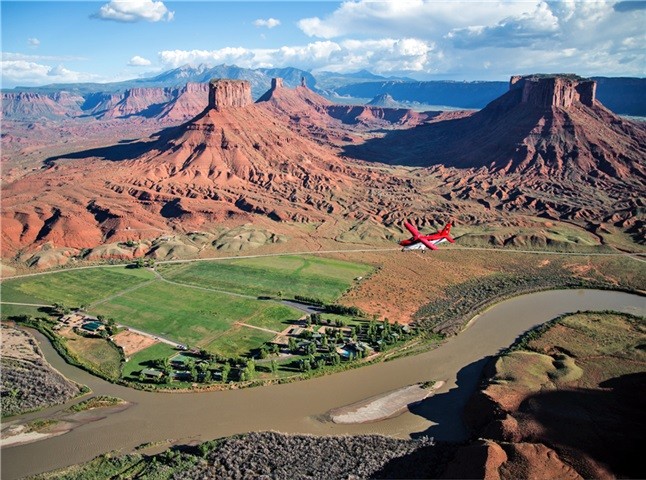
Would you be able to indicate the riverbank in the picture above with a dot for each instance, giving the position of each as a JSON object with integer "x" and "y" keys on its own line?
{"x": 295, "y": 408}
{"x": 383, "y": 406}
{"x": 92, "y": 410}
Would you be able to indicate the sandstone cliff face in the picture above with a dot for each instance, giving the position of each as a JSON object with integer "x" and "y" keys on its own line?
{"x": 555, "y": 91}
{"x": 138, "y": 101}
{"x": 189, "y": 102}
{"x": 546, "y": 147}
{"x": 229, "y": 93}
{"x": 35, "y": 105}
{"x": 328, "y": 121}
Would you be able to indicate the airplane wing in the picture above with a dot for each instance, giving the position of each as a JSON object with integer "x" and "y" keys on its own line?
{"x": 411, "y": 229}
{"x": 449, "y": 238}
{"x": 427, "y": 243}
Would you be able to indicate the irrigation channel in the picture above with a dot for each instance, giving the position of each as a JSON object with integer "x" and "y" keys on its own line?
{"x": 298, "y": 407}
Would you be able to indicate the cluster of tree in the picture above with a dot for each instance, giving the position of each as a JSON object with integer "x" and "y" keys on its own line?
{"x": 268, "y": 349}
{"x": 308, "y": 300}
{"x": 143, "y": 263}
{"x": 318, "y": 319}
{"x": 343, "y": 310}
{"x": 384, "y": 331}
{"x": 314, "y": 362}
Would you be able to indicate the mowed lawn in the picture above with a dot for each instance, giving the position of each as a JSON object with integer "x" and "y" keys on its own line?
{"x": 191, "y": 316}
{"x": 75, "y": 287}
{"x": 322, "y": 278}
{"x": 239, "y": 341}
{"x": 145, "y": 358}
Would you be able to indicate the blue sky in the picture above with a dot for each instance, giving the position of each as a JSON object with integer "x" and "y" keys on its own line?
{"x": 60, "y": 42}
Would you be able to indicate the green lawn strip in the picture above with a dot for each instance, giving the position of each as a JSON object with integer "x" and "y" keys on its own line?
{"x": 144, "y": 358}
{"x": 290, "y": 275}
{"x": 191, "y": 316}
{"x": 15, "y": 310}
{"x": 97, "y": 353}
{"x": 73, "y": 288}
{"x": 239, "y": 341}
{"x": 273, "y": 316}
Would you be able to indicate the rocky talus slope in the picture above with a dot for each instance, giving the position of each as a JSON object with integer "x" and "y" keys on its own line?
{"x": 28, "y": 381}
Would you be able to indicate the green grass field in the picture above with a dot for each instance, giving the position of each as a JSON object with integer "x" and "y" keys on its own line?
{"x": 96, "y": 353}
{"x": 288, "y": 276}
{"x": 15, "y": 310}
{"x": 196, "y": 317}
{"x": 239, "y": 341}
{"x": 191, "y": 316}
{"x": 73, "y": 288}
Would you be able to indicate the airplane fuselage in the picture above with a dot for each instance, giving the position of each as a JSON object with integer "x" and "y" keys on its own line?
{"x": 419, "y": 245}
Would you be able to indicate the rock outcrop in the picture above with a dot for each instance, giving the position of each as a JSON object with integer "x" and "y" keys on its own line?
{"x": 384, "y": 100}
{"x": 322, "y": 118}
{"x": 229, "y": 93}
{"x": 139, "y": 101}
{"x": 35, "y": 105}
{"x": 560, "y": 91}
{"x": 189, "y": 102}
{"x": 546, "y": 147}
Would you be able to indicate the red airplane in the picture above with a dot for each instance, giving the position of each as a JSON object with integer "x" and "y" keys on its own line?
{"x": 422, "y": 242}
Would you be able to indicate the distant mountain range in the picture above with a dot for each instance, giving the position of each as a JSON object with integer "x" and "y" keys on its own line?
{"x": 626, "y": 96}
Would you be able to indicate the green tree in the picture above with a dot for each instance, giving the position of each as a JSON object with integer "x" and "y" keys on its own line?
{"x": 226, "y": 370}
{"x": 139, "y": 263}
{"x": 305, "y": 365}
{"x": 264, "y": 351}
{"x": 61, "y": 309}
{"x": 336, "y": 358}
{"x": 292, "y": 345}
{"x": 251, "y": 366}
{"x": 274, "y": 366}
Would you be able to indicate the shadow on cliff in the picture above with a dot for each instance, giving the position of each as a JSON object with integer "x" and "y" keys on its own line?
{"x": 494, "y": 136}
{"x": 606, "y": 425}
{"x": 124, "y": 150}
{"x": 445, "y": 409}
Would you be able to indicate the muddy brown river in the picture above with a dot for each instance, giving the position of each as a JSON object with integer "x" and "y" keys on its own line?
{"x": 297, "y": 407}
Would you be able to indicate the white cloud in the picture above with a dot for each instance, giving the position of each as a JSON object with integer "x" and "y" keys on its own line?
{"x": 510, "y": 32}
{"x": 138, "y": 61}
{"x": 33, "y": 42}
{"x": 417, "y": 18}
{"x": 269, "y": 23}
{"x": 380, "y": 55}
{"x": 134, "y": 11}
{"x": 40, "y": 58}
{"x": 32, "y": 73}
{"x": 591, "y": 37}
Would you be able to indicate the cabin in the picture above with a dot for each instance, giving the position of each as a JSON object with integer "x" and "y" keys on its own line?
{"x": 93, "y": 326}
{"x": 151, "y": 373}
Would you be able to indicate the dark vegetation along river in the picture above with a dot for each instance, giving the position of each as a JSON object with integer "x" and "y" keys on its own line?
{"x": 299, "y": 407}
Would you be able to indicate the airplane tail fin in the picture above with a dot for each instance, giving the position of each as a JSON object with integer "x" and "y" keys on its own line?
{"x": 446, "y": 232}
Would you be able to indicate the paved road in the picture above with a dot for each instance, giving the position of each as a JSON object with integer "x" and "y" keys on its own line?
{"x": 303, "y": 307}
